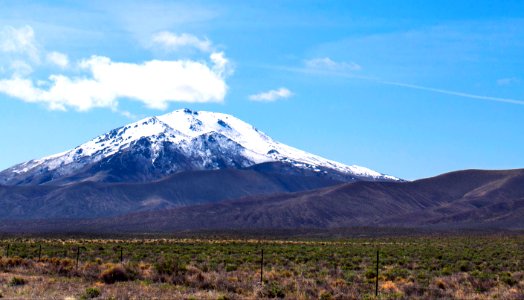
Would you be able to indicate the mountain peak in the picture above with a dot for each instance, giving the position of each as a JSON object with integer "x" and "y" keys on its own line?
{"x": 182, "y": 140}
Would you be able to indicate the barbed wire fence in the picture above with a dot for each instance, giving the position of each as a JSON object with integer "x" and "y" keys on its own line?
{"x": 260, "y": 259}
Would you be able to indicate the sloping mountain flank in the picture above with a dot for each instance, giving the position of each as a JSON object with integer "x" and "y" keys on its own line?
{"x": 97, "y": 199}
{"x": 463, "y": 199}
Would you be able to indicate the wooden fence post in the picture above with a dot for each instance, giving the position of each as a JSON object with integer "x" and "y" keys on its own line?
{"x": 335, "y": 265}
{"x": 262, "y": 266}
{"x": 376, "y": 279}
{"x": 39, "y": 252}
{"x": 77, "y": 256}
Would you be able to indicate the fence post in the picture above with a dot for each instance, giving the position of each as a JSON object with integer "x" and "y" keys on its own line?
{"x": 7, "y": 251}
{"x": 39, "y": 252}
{"x": 121, "y": 256}
{"x": 335, "y": 265}
{"x": 77, "y": 256}
{"x": 262, "y": 266}
{"x": 376, "y": 279}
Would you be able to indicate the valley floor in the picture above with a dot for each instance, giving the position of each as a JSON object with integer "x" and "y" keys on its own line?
{"x": 421, "y": 267}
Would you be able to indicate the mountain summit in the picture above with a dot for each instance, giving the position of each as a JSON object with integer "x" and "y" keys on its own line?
{"x": 180, "y": 141}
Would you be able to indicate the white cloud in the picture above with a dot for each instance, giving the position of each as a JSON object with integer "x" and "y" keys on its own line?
{"x": 19, "y": 41}
{"x": 326, "y": 63}
{"x": 271, "y": 95}
{"x": 20, "y": 68}
{"x": 221, "y": 64}
{"x": 128, "y": 115}
{"x": 59, "y": 59}
{"x": 101, "y": 82}
{"x": 154, "y": 83}
{"x": 173, "y": 42}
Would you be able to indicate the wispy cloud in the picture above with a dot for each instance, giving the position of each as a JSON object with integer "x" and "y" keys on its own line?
{"x": 20, "y": 68}
{"x": 99, "y": 81}
{"x": 172, "y": 42}
{"x": 457, "y": 48}
{"x": 143, "y": 19}
{"x": 326, "y": 63}
{"x": 127, "y": 114}
{"x": 19, "y": 41}
{"x": 58, "y": 59}
{"x": 452, "y": 93}
{"x": 271, "y": 95}
{"x": 377, "y": 80}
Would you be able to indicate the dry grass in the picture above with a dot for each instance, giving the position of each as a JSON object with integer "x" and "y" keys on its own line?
{"x": 196, "y": 284}
{"x": 212, "y": 277}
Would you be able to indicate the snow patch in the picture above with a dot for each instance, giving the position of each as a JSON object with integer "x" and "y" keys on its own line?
{"x": 185, "y": 128}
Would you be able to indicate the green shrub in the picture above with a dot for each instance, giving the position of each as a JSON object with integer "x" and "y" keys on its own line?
{"x": 132, "y": 270}
{"x": 396, "y": 273}
{"x": 464, "y": 266}
{"x": 90, "y": 293}
{"x": 168, "y": 266}
{"x": 446, "y": 271}
{"x": 508, "y": 279}
{"x": 273, "y": 290}
{"x": 15, "y": 281}
{"x": 370, "y": 273}
{"x": 325, "y": 295}
{"x": 114, "y": 274}
{"x": 230, "y": 268}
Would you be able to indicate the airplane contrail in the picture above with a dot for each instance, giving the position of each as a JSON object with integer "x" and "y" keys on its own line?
{"x": 399, "y": 84}
{"x": 453, "y": 93}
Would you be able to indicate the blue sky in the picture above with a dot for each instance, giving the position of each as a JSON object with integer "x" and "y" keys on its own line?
{"x": 408, "y": 88}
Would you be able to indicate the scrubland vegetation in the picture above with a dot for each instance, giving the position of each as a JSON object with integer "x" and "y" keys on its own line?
{"x": 431, "y": 267}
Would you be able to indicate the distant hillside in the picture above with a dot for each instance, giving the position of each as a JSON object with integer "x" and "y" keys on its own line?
{"x": 464, "y": 199}
{"x": 95, "y": 199}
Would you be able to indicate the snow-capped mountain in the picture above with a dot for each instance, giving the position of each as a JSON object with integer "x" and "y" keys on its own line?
{"x": 180, "y": 141}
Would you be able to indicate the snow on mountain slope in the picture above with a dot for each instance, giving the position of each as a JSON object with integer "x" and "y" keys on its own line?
{"x": 206, "y": 140}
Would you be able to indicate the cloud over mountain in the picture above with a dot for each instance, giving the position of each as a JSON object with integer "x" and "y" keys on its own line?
{"x": 171, "y": 41}
{"x": 98, "y": 81}
{"x": 271, "y": 95}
